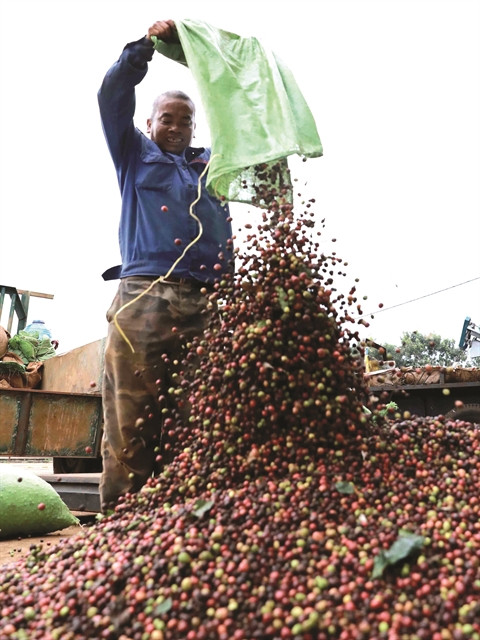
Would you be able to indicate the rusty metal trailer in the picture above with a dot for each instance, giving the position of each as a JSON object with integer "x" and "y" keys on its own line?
{"x": 431, "y": 395}
{"x": 63, "y": 418}
{"x": 431, "y": 400}
{"x": 431, "y": 390}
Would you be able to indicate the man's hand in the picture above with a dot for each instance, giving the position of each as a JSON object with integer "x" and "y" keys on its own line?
{"x": 165, "y": 30}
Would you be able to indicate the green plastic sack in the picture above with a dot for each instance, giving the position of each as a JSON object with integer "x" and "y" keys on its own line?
{"x": 255, "y": 111}
{"x": 29, "y": 505}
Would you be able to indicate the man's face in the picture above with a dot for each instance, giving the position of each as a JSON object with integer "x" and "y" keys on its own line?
{"x": 172, "y": 125}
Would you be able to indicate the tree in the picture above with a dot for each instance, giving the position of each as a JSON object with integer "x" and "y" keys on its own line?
{"x": 417, "y": 350}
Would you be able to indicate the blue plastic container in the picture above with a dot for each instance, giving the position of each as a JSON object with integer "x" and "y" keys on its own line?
{"x": 39, "y": 325}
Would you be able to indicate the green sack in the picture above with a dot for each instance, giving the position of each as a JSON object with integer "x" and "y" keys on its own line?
{"x": 29, "y": 505}
{"x": 255, "y": 111}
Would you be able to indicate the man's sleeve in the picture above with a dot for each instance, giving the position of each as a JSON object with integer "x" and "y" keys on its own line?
{"x": 116, "y": 97}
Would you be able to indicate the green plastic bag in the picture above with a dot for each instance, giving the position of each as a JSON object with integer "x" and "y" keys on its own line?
{"x": 255, "y": 111}
{"x": 29, "y": 505}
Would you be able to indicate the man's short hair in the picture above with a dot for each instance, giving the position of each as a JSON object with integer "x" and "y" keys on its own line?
{"x": 173, "y": 93}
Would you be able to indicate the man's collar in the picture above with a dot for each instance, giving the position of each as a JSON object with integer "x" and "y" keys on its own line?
{"x": 193, "y": 152}
{"x": 189, "y": 154}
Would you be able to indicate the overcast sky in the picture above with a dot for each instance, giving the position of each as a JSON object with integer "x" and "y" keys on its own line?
{"x": 394, "y": 87}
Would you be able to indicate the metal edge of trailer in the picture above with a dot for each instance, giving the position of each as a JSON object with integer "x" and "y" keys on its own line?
{"x": 79, "y": 491}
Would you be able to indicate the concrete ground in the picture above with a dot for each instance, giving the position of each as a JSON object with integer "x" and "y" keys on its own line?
{"x": 13, "y": 550}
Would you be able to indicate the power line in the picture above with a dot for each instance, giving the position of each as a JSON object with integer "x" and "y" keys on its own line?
{"x": 428, "y": 295}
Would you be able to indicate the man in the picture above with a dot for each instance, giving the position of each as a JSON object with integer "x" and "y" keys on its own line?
{"x": 172, "y": 252}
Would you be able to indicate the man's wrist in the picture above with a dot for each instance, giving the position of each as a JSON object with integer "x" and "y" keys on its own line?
{"x": 140, "y": 52}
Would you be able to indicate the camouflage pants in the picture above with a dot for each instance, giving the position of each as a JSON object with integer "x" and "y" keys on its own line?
{"x": 157, "y": 325}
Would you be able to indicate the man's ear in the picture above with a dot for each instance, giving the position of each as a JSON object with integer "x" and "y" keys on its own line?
{"x": 149, "y": 125}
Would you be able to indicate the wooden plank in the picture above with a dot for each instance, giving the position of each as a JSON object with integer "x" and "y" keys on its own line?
{"x": 36, "y": 294}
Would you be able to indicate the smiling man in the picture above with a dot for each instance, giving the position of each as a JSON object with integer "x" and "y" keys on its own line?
{"x": 172, "y": 123}
{"x": 158, "y": 176}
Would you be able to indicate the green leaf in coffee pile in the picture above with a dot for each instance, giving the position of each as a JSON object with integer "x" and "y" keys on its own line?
{"x": 406, "y": 544}
{"x": 345, "y": 487}
{"x": 201, "y": 507}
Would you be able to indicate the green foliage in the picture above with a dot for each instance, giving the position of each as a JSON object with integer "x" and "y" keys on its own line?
{"x": 345, "y": 487}
{"x": 30, "y": 347}
{"x": 417, "y": 350}
{"x": 405, "y": 545}
{"x": 202, "y": 506}
{"x": 378, "y": 415}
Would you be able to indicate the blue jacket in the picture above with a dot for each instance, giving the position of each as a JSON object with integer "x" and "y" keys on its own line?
{"x": 158, "y": 188}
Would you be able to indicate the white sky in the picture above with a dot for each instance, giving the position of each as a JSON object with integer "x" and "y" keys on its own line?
{"x": 394, "y": 86}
